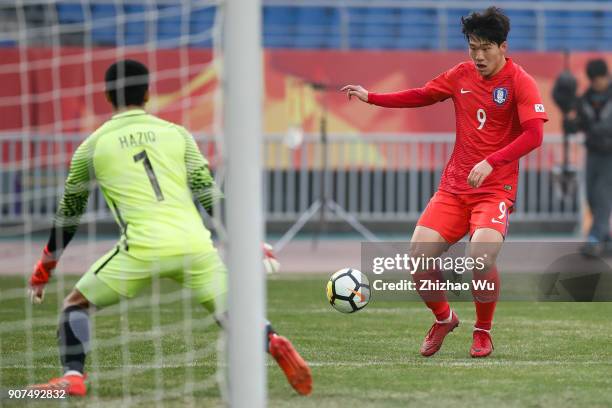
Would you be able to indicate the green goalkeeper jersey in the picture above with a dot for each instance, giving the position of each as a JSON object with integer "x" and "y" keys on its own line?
{"x": 147, "y": 169}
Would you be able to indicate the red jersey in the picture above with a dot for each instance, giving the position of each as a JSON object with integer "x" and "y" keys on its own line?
{"x": 488, "y": 114}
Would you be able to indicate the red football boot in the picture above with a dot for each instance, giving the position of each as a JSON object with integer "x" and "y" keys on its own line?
{"x": 482, "y": 345}
{"x": 437, "y": 333}
{"x": 293, "y": 365}
{"x": 72, "y": 384}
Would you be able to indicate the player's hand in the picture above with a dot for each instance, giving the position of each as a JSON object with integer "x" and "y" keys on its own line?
{"x": 271, "y": 264}
{"x": 40, "y": 276}
{"x": 356, "y": 90}
{"x": 479, "y": 173}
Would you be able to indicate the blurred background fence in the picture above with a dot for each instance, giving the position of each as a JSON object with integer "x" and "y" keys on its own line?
{"x": 387, "y": 181}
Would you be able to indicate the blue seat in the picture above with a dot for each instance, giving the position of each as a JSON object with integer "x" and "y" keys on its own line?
{"x": 313, "y": 15}
{"x": 103, "y": 10}
{"x": 280, "y": 18}
{"x": 605, "y": 44}
{"x": 607, "y": 17}
{"x": 576, "y": 30}
{"x": 418, "y": 16}
{"x": 135, "y": 28}
{"x": 585, "y": 30}
{"x": 418, "y": 29}
{"x": 317, "y": 27}
{"x": 277, "y": 41}
{"x": 357, "y": 14}
{"x": 104, "y": 17}
{"x": 70, "y": 13}
{"x": 524, "y": 29}
{"x": 202, "y": 19}
{"x": 317, "y": 42}
{"x": 279, "y": 26}
{"x": 557, "y": 44}
{"x": 206, "y": 42}
{"x": 606, "y": 32}
{"x": 135, "y": 12}
{"x": 522, "y": 43}
{"x": 378, "y": 36}
{"x": 375, "y": 28}
{"x": 422, "y": 37}
{"x": 454, "y": 37}
{"x": 521, "y": 17}
{"x": 382, "y": 16}
{"x": 170, "y": 25}
{"x": 556, "y": 29}
{"x": 8, "y": 43}
{"x": 333, "y": 41}
{"x": 280, "y": 14}
{"x": 200, "y": 24}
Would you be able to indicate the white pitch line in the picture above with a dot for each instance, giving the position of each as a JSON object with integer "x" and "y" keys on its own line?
{"x": 471, "y": 363}
{"x": 357, "y": 364}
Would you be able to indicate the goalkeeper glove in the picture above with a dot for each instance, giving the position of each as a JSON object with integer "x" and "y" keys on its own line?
{"x": 271, "y": 264}
{"x": 40, "y": 276}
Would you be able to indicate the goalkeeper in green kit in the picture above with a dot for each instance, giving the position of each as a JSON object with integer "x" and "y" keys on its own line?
{"x": 148, "y": 169}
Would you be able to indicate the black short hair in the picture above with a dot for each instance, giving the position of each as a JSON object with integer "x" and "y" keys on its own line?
{"x": 490, "y": 25}
{"x": 127, "y": 82}
{"x": 596, "y": 68}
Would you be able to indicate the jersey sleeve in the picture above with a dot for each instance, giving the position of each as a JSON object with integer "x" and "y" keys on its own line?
{"x": 199, "y": 178}
{"x": 410, "y": 98}
{"x": 531, "y": 138}
{"x": 442, "y": 87}
{"x": 74, "y": 200}
{"x": 528, "y": 100}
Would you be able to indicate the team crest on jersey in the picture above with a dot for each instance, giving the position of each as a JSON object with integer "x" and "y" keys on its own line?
{"x": 500, "y": 95}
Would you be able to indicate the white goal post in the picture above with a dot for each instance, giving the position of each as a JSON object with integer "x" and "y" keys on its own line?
{"x": 243, "y": 134}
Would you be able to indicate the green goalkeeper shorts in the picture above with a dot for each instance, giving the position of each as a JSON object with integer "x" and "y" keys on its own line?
{"x": 118, "y": 275}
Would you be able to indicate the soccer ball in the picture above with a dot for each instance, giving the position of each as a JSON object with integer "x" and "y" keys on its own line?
{"x": 348, "y": 290}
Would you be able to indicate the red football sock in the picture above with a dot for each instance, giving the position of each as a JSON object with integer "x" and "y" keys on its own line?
{"x": 485, "y": 298}
{"x": 434, "y": 299}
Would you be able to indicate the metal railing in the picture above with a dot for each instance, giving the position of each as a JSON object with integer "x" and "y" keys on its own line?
{"x": 379, "y": 178}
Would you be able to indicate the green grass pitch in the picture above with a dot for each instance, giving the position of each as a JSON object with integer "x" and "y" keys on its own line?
{"x": 546, "y": 354}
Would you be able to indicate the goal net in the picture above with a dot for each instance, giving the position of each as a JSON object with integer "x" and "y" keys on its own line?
{"x": 161, "y": 347}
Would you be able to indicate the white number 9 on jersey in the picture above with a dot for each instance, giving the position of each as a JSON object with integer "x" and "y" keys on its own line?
{"x": 481, "y": 115}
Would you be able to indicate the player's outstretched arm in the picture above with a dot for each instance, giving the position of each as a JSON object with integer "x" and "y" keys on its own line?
{"x": 67, "y": 219}
{"x": 410, "y": 98}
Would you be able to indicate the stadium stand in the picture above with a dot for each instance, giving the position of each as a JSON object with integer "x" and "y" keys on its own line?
{"x": 332, "y": 27}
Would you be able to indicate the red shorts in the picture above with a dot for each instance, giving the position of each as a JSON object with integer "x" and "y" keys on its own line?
{"x": 454, "y": 215}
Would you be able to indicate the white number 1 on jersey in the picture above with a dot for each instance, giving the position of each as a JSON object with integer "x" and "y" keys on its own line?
{"x": 481, "y": 115}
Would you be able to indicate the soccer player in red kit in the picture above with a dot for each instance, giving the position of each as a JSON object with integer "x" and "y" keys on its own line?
{"x": 499, "y": 118}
